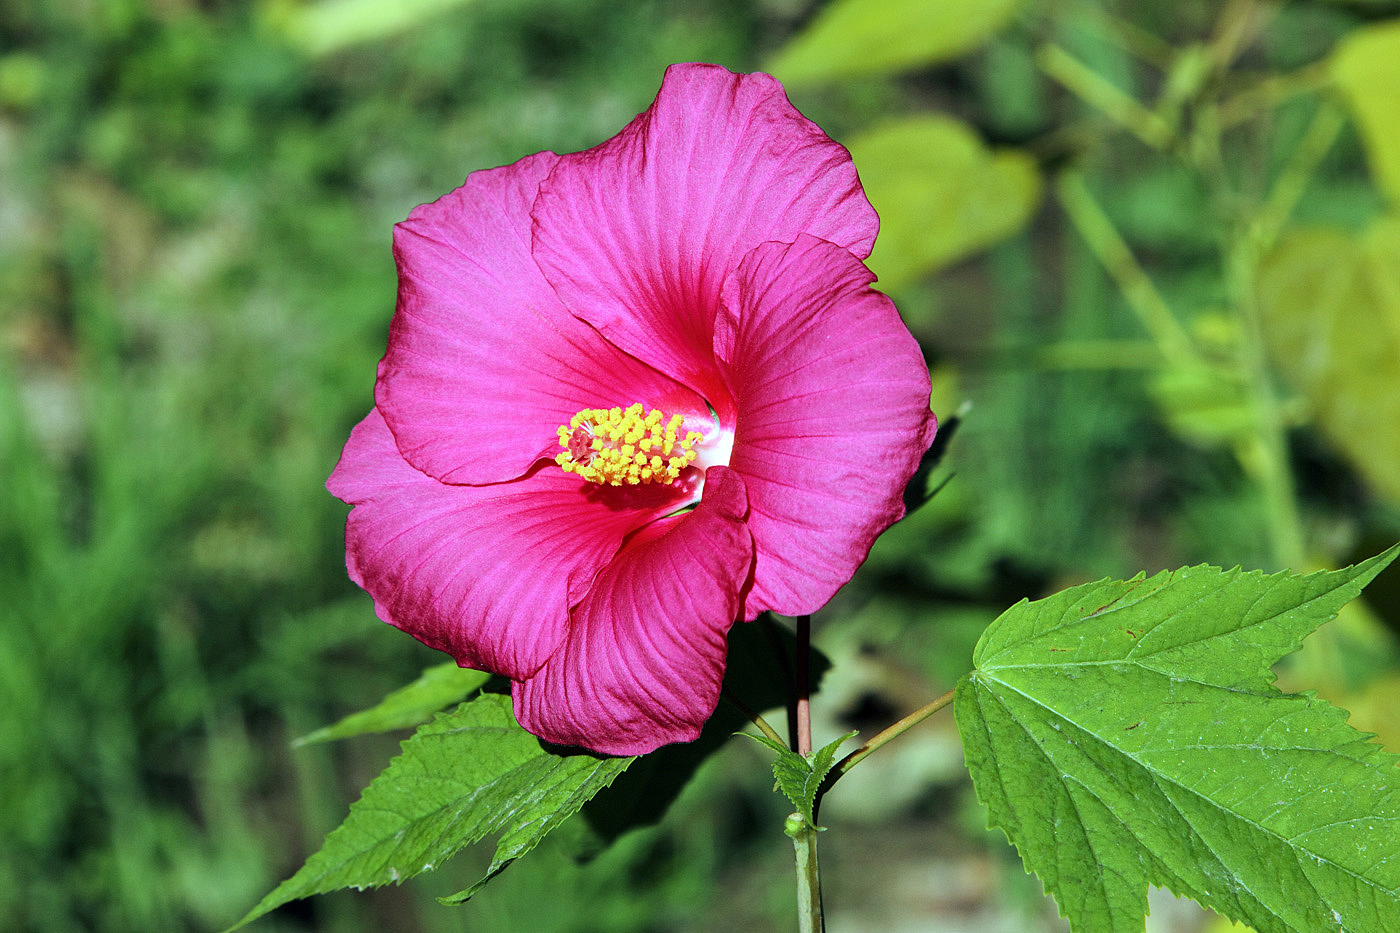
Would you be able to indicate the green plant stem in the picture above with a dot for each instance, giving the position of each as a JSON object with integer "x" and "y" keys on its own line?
{"x": 1142, "y": 44}
{"x": 893, "y": 732}
{"x": 1239, "y": 25}
{"x": 1269, "y": 92}
{"x": 1095, "y": 90}
{"x": 809, "y": 888}
{"x": 751, "y": 715}
{"x": 1296, "y": 175}
{"x": 1270, "y": 465}
{"x": 1080, "y": 355}
{"x": 803, "y": 833}
{"x": 1113, "y": 253}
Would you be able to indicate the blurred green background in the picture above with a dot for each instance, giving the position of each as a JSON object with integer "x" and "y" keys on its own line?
{"x": 1149, "y": 248}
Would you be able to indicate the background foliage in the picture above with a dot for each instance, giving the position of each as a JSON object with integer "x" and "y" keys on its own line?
{"x": 1150, "y": 244}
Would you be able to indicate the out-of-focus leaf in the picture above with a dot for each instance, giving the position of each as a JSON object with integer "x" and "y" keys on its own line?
{"x": 1366, "y": 67}
{"x": 941, "y": 194}
{"x": 465, "y": 775}
{"x": 1127, "y": 733}
{"x": 1331, "y": 308}
{"x": 437, "y": 688}
{"x": 1203, "y": 405}
{"x": 1206, "y": 401}
{"x": 849, "y": 38}
{"x": 326, "y": 26}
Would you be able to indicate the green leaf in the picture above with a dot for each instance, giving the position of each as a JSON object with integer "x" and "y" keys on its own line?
{"x": 469, "y": 773}
{"x": 436, "y": 688}
{"x": 801, "y": 778}
{"x": 1365, "y": 66}
{"x": 851, "y": 38}
{"x": 940, "y": 193}
{"x": 1126, "y": 733}
{"x": 759, "y": 672}
{"x": 328, "y": 26}
{"x": 1330, "y": 305}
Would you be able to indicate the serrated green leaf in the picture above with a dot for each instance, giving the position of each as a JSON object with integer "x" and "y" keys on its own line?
{"x": 823, "y": 760}
{"x": 799, "y": 778}
{"x": 467, "y": 774}
{"x": 1126, "y": 733}
{"x": 941, "y": 194}
{"x": 1330, "y": 305}
{"x": 851, "y": 38}
{"x": 1365, "y": 66}
{"x": 436, "y": 688}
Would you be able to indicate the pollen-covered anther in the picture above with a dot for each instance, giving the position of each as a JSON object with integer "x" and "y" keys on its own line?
{"x": 622, "y": 447}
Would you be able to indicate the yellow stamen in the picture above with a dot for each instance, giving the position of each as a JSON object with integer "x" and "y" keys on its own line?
{"x": 613, "y": 447}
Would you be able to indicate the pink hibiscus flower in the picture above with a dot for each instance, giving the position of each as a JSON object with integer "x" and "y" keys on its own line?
{"x": 632, "y": 395}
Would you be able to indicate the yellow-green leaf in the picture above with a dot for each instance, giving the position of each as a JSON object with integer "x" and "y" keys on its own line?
{"x": 328, "y": 26}
{"x": 941, "y": 194}
{"x": 1331, "y": 309}
{"x": 436, "y": 688}
{"x": 1127, "y": 734}
{"x": 851, "y": 38}
{"x": 1366, "y": 68}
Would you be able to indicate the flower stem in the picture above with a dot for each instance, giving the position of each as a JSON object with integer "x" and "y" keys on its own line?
{"x": 750, "y": 714}
{"x": 809, "y": 888}
{"x": 803, "y": 742}
{"x": 893, "y": 732}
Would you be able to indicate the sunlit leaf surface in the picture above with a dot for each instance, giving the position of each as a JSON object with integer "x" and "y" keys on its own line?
{"x": 866, "y": 37}
{"x": 467, "y": 774}
{"x": 437, "y": 688}
{"x": 1126, "y": 733}
{"x": 1331, "y": 309}
{"x": 1366, "y": 67}
{"x": 941, "y": 194}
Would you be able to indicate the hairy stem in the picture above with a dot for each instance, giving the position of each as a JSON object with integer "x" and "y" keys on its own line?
{"x": 809, "y": 888}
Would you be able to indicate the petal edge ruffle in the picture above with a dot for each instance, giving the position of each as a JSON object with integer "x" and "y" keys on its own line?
{"x": 637, "y": 234}
{"x": 833, "y": 399}
{"x": 483, "y": 362}
{"x": 644, "y": 658}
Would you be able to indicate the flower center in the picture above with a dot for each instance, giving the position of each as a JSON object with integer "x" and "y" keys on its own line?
{"x": 631, "y": 446}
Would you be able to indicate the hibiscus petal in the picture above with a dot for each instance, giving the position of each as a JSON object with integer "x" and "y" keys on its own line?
{"x": 486, "y": 573}
{"x": 833, "y": 415}
{"x": 483, "y": 361}
{"x": 644, "y": 658}
{"x": 637, "y": 235}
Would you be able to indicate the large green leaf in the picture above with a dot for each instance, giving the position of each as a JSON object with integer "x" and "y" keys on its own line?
{"x": 849, "y": 38}
{"x": 1330, "y": 303}
{"x": 1126, "y": 733}
{"x": 1366, "y": 68}
{"x": 940, "y": 193}
{"x": 436, "y": 688}
{"x": 469, "y": 773}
